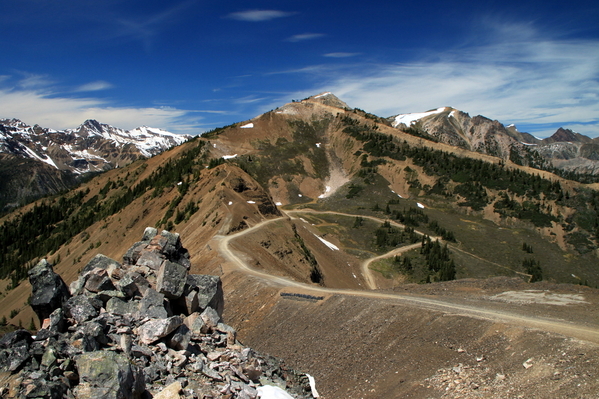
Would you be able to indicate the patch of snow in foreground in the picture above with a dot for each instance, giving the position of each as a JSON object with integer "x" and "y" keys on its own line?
{"x": 526, "y": 143}
{"x": 312, "y": 385}
{"x": 272, "y": 392}
{"x": 230, "y": 202}
{"x": 299, "y": 195}
{"x": 248, "y": 126}
{"x": 229, "y": 156}
{"x": 419, "y": 205}
{"x": 328, "y": 244}
{"x": 318, "y": 145}
{"x": 278, "y": 203}
{"x": 251, "y": 202}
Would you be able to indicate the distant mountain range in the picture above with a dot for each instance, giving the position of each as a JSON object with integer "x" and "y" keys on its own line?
{"x": 36, "y": 161}
{"x": 565, "y": 149}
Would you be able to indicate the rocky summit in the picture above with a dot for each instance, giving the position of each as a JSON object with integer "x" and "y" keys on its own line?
{"x": 143, "y": 328}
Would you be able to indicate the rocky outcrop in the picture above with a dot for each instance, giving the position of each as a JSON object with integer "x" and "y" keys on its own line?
{"x": 138, "y": 329}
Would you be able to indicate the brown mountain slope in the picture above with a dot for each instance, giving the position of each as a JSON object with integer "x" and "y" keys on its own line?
{"x": 362, "y": 344}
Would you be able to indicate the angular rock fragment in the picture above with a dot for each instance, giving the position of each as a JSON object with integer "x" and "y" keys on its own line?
{"x": 153, "y": 330}
{"x": 108, "y": 375}
{"x": 210, "y": 317}
{"x": 99, "y": 280}
{"x": 152, "y": 305}
{"x": 150, "y": 259}
{"x": 132, "y": 255}
{"x": 171, "y": 280}
{"x": 120, "y": 307}
{"x": 100, "y": 262}
{"x": 49, "y": 292}
{"x": 209, "y": 289}
{"x": 82, "y": 308}
{"x": 181, "y": 338}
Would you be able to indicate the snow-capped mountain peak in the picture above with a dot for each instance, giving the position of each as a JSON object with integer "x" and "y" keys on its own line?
{"x": 92, "y": 146}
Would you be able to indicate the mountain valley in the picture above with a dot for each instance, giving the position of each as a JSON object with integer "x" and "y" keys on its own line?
{"x": 386, "y": 258}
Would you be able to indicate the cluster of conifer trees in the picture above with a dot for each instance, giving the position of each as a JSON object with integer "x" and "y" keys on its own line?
{"x": 54, "y": 221}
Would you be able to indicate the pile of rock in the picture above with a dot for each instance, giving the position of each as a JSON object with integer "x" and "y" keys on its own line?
{"x": 143, "y": 328}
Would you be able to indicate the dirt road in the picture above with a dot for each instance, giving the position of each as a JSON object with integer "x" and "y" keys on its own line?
{"x": 480, "y": 309}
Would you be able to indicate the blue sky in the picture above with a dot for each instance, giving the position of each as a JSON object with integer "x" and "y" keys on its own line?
{"x": 189, "y": 66}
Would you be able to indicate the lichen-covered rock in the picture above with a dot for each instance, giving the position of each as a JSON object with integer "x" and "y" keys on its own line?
{"x": 82, "y": 308}
{"x": 49, "y": 292}
{"x": 108, "y": 375}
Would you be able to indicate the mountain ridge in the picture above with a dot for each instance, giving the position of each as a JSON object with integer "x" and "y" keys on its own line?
{"x": 62, "y": 156}
{"x": 340, "y": 187}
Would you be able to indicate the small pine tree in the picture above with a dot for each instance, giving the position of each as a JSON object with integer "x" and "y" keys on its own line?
{"x": 3, "y": 321}
{"x": 32, "y": 325}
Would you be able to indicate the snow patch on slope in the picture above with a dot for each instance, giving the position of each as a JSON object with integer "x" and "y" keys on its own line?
{"x": 328, "y": 244}
{"x": 410, "y": 119}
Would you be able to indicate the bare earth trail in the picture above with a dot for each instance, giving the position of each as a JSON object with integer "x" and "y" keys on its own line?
{"x": 452, "y": 306}
{"x": 366, "y": 272}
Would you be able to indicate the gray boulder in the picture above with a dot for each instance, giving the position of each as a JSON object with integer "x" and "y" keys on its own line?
{"x": 153, "y": 330}
{"x": 120, "y": 307}
{"x": 171, "y": 280}
{"x": 153, "y": 306}
{"x": 181, "y": 338}
{"x": 150, "y": 259}
{"x": 209, "y": 289}
{"x": 82, "y": 308}
{"x": 210, "y": 317}
{"x": 99, "y": 280}
{"x": 49, "y": 292}
{"x": 108, "y": 375}
{"x": 132, "y": 255}
{"x": 102, "y": 262}
{"x": 149, "y": 233}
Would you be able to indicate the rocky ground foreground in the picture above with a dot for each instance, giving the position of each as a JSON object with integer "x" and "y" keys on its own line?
{"x": 142, "y": 328}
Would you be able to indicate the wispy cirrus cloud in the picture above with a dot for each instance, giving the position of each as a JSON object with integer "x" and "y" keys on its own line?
{"x": 340, "y": 55}
{"x": 258, "y": 15}
{"x": 94, "y": 86}
{"x": 146, "y": 28}
{"x": 304, "y": 36}
{"x": 527, "y": 80}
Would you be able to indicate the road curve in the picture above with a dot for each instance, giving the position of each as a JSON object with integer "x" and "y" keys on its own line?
{"x": 586, "y": 333}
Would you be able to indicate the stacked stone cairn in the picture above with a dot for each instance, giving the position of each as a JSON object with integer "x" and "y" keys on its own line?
{"x": 143, "y": 328}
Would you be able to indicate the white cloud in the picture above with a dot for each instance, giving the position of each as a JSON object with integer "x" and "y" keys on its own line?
{"x": 258, "y": 15}
{"x": 340, "y": 55}
{"x": 304, "y": 36}
{"x": 533, "y": 81}
{"x": 33, "y": 81}
{"x": 94, "y": 86}
{"x": 61, "y": 113}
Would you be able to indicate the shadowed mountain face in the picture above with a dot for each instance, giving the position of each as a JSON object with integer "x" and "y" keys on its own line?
{"x": 37, "y": 161}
